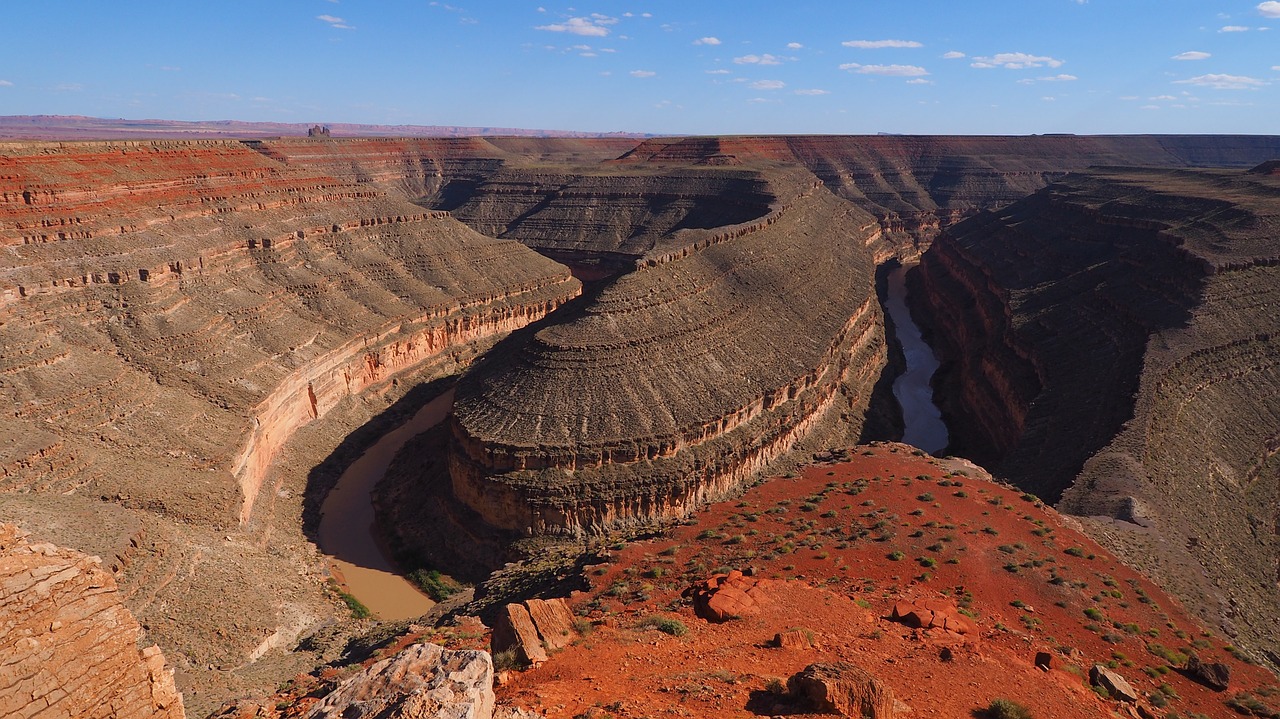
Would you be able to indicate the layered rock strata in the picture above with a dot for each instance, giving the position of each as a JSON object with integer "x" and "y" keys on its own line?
{"x": 68, "y": 646}
{"x": 677, "y": 382}
{"x": 1112, "y": 340}
{"x": 172, "y": 313}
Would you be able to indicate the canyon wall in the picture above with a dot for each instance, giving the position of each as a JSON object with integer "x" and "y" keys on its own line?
{"x": 1112, "y": 341}
{"x": 68, "y": 647}
{"x": 677, "y": 382}
{"x": 171, "y": 314}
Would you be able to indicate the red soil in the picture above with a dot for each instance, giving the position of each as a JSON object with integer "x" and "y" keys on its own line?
{"x": 992, "y": 547}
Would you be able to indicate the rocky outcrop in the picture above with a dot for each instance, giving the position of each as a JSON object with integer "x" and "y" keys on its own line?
{"x": 933, "y": 614}
{"x": 1116, "y": 349}
{"x": 1215, "y": 675}
{"x": 424, "y": 681}
{"x": 677, "y": 382}
{"x": 533, "y": 628}
{"x": 68, "y": 647}
{"x": 842, "y": 688}
{"x": 727, "y": 596}
{"x": 1115, "y": 685}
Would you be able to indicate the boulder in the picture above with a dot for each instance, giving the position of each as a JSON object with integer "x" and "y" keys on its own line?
{"x": 1115, "y": 684}
{"x": 1044, "y": 660}
{"x": 515, "y": 630}
{"x": 1215, "y": 675}
{"x": 842, "y": 688}
{"x": 727, "y": 596}
{"x": 424, "y": 681}
{"x": 793, "y": 639}
{"x": 933, "y": 614}
{"x": 553, "y": 620}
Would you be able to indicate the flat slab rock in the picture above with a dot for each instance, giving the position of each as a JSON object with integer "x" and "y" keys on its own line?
{"x": 421, "y": 682}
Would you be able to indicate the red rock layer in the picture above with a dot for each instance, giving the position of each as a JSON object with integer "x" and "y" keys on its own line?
{"x": 68, "y": 647}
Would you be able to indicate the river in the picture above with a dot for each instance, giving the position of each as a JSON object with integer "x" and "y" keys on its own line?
{"x": 348, "y": 533}
{"x": 923, "y": 421}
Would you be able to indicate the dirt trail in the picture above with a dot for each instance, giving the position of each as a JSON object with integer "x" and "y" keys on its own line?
{"x": 348, "y": 535}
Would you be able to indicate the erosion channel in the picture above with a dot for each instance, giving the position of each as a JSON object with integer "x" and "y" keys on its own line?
{"x": 348, "y": 530}
{"x": 922, "y": 420}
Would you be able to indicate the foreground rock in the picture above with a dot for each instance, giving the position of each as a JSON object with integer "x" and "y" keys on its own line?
{"x": 1215, "y": 675}
{"x": 533, "y": 628}
{"x": 68, "y": 647}
{"x": 1117, "y": 687}
{"x": 844, "y": 689}
{"x": 726, "y": 596}
{"x": 421, "y": 682}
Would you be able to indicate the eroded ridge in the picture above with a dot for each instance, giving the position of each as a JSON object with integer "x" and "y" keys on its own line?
{"x": 678, "y": 382}
{"x": 1117, "y": 347}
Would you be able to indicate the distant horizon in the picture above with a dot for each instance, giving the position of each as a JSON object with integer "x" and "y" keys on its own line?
{"x": 53, "y": 133}
{"x": 659, "y": 67}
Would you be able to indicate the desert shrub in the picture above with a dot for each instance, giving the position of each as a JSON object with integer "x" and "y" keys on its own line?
{"x": 1006, "y": 709}
{"x": 666, "y": 625}
{"x": 895, "y": 556}
{"x": 506, "y": 660}
{"x": 434, "y": 584}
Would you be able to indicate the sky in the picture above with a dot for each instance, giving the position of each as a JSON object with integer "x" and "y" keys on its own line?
{"x": 657, "y": 66}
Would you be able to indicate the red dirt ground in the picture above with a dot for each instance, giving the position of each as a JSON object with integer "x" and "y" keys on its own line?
{"x": 825, "y": 539}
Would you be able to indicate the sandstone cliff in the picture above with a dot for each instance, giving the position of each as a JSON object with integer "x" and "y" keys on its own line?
{"x": 1111, "y": 340}
{"x": 172, "y": 313}
{"x": 68, "y": 646}
{"x": 678, "y": 381}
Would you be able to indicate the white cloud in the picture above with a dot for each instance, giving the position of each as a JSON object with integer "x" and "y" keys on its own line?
{"x": 643, "y": 73}
{"x": 765, "y": 59}
{"x": 5, "y": 83}
{"x": 1234, "y": 28}
{"x": 588, "y": 54}
{"x": 719, "y": 72}
{"x": 1223, "y": 82}
{"x": 1062, "y": 77}
{"x": 768, "y": 85}
{"x": 707, "y": 41}
{"x": 335, "y": 22}
{"x": 1129, "y": 97}
{"x": 813, "y": 92}
{"x": 1192, "y": 55}
{"x": 892, "y": 70}
{"x": 878, "y": 44}
{"x": 1015, "y": 61}
{"x": 919, "y": 81}
{"x": 1159, "y": 98}
{"x": 953, "y": 55}
{"x": 1269, "y": 9}
{"x": 1149, "y": 107}
{"x": 594, "y": 26}
{"x": 794, "y": 46}
{"x": 68, "y": 87}
{"x": 1276, "y": 68}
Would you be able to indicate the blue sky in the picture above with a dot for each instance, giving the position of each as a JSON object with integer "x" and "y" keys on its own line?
{"x": 693, "y": 66}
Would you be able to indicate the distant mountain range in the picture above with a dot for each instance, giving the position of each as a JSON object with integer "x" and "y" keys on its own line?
{"x": 78, "y": 127}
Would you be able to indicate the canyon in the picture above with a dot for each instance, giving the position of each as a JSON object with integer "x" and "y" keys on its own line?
{"x": 196, "y": 332}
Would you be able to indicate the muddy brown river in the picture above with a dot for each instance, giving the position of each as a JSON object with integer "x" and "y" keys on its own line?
{"x": 349, "y": 534}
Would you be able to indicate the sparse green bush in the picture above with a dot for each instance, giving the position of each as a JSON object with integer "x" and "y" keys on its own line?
{"x": 434, "y": 584}
{"x": 666, "y": 625}
{"x": 358, "y": 609}
{"x": 1006, "y": 709}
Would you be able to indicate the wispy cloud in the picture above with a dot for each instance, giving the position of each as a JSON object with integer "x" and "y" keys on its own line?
{"x": 1224, "y": 82}
{"x": 794, "y": 46}
{"x": 643, "y": 73}
{"x": 1269, "y": 9}
{"x": 765, "y": 59}
{"x": 1063, "y": 77}
{"x": 709, "y": 40}
{"x": 1192, "y": 55}
{"x": 719, "y": 72}
{"x": 1015, "y": 61}
{"x": 335, "y": 22}
{"x": 68, "y": 87}
{"x": 919, "y": 81}
{"x": 952, "y": 55}
{"x": 891, "y": 70}
{"x": 768, "y": 84}
{"x": 814, "y": 91}
{"x": 879, "y": 44}
{"x": 1234, "y": 28}
{"x": 5, "y": 83}
{"x": 596, "y": 25}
